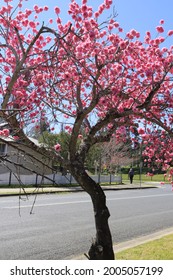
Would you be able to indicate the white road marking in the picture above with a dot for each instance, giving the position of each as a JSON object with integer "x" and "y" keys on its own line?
{"x": 48, "y": 204}
{"x": 85, "y": 201}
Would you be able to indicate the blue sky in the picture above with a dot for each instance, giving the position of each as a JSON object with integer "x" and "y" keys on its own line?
{"x": 141, "y": 15}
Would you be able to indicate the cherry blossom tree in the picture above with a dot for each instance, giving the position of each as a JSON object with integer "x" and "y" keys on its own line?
{"x": 94, "y": 76}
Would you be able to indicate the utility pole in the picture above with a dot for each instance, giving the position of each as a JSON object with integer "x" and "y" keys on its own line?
{"x": 140, "y": 165}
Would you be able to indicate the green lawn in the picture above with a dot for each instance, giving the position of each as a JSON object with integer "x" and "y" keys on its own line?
{"x": 159, "y": 249}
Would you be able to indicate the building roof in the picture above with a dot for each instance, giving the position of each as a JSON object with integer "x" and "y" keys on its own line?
{"x": 11, "y": 139}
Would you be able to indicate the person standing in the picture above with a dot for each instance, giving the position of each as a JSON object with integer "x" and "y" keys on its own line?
{"x": 131, "y": 174}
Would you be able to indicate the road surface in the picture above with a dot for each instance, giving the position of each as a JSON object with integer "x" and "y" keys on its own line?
{"x": 62, "y": 225}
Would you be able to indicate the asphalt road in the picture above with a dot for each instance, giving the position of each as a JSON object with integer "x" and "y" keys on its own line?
{"x": 62, "y": 225}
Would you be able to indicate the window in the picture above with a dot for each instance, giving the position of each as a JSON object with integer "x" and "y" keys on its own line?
{"x": 3, "y": 149}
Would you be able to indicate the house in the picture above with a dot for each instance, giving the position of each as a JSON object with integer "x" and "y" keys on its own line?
{"x": 21, "y": 159}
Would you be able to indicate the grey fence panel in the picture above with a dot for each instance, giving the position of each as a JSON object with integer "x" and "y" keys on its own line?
{"x": 10, "y": 178}
{"x": 5, "y": 178}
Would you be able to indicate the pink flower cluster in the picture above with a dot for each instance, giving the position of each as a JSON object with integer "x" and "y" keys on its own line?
{"x": 4, "y": 132}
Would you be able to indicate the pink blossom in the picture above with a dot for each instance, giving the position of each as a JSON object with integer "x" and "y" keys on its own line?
{"x": 110, "y": 27}
{"x": 170, "y": 32}
{"x": 96, "y": 14}
{"x": 122, "y": 44}
{"x": 36, "y": 7}
{"x": 58, "y": 20}
{"x": 141, "y": 131}
{"x": 160, "y": 29}
{"x": 57, "y": 10}
{"x": 6, "y": 68}
{"x": 116, "y": 24}
{"x": 120, "y": 29}
{"x": 162, "y": 21}
{"x": 57, "y": 147}
{"x": 32, "y": 24}
{"x": 84, "y": 8}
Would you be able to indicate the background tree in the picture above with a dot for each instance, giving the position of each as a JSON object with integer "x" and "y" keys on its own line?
{"x": 93, "y": 158}
{"x": 51, "y": 139}
{"x": 92, "y": 74}
{"x": 117, "y": 154}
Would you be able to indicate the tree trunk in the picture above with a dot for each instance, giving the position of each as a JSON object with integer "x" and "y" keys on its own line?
{"x": 102, "y": 247}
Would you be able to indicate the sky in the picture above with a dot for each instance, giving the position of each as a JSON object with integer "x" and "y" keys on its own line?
{"x": 132, "y": 14}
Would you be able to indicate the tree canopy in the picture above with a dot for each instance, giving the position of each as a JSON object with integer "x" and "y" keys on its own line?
{"x": 89, "y": 72}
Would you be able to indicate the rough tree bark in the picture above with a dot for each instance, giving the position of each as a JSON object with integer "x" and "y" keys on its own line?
{"x": 102, "y": 247}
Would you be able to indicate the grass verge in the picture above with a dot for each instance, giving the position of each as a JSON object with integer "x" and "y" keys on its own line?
{"x": 159, "y": 249}
{"x": 145, "y": 178}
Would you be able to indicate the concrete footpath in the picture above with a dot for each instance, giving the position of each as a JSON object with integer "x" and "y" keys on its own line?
{"x": 48, "y": 190}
